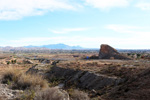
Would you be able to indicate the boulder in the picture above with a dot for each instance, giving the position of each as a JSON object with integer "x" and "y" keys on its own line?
{"x": 27, "y": 62}
{"x": 108, "y": 52}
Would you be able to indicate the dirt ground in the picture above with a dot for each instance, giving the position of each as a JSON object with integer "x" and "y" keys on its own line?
{"x": 136, "y": 72}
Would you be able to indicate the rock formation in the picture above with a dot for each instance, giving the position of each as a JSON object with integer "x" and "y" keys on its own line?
{"x": 27, "y": 62}
{"x": 108, "y": 52}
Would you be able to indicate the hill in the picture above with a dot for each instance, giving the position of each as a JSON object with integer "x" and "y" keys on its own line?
{"x": 56, "y": 46}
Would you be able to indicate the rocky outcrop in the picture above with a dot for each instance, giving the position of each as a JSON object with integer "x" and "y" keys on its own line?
{"x": 27, "y": 62}
{"x": 82, "y": 79}
{"x": 108, "y": 52}
{"x": 8, "y": 94}
{"x": 85, "y": 79}
{"x": 39, "y": 69}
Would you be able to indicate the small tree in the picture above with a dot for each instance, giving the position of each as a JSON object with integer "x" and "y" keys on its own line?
{"x": 138, "y": 55}
{"x": 12, "y": 61}
{"x": 15, "y": 61}
{"x": 8, "y": 62}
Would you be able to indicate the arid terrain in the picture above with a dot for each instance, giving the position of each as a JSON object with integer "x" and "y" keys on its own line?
{"x": 74, "y": 50}
{"x": 74, "y": 75}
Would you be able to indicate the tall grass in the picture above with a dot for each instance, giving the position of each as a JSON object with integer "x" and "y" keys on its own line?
{"x": 19, "y": 80}
{"x": 51, "y": 94}
{"x": 79, "y": 95}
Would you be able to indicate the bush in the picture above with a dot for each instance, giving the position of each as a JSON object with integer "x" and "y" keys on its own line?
{"x": 10, "y": 75}
{"x": 51, "y": 94}
{"x": 79, "y": 95}
{"x": 19, "y": 80}
{"x": 28, "y": 80}
{"x": 27, "y": 95}
{"x": 8, "y": 62}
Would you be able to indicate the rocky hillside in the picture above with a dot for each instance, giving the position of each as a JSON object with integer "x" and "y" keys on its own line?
{"x": 113, "y": 81}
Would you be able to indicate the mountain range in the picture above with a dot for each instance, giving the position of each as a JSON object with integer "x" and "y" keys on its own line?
{"x": 56, "y": 46}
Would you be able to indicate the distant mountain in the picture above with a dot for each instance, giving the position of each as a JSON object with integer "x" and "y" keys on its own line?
{"x": 56, "y": 46}
{"x": 8, "y": 48}
{"x": 30, "y": 46}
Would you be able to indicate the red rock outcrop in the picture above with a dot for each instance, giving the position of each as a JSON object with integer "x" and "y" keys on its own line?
{"x": 108, "y": 52}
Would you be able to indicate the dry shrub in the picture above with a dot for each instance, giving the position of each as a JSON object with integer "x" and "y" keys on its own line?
{"x": 51, "y": 94}
{"x": 19, "y": 80}
{"x": 27, "y": 95}
{"x": 10, "y": 75}
{"x": 79, "y": 95}
{"x": 28, "y": 80}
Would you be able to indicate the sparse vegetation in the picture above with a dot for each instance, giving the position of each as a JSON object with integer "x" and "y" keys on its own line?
{"x": 8, "y": 62}
{"x": 54, "y": 81}
{"x": 13, "y": 61}
{"x": 19, "y": 80}
{"x": 32, "y": 86}
{"x": 78, "y": 95}
{"x": 51, "y": 94}
{"x": 27, "y": 95}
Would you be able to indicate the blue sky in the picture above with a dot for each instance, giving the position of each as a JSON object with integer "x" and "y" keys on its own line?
{"x": 121, "y": 23}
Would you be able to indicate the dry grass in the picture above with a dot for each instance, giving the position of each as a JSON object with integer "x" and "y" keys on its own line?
{"x": 79, "y": 95}
{"x": 19, "y": 80}
{"x": 51, "y": 94}
{"x": 23, "y": 67}
{"x": 119, "y": 68}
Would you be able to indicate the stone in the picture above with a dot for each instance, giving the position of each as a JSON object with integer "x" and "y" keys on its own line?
{"x": 27, "y": 62}
{"x": 108, "y": 52}
{"x": 8, "y": 94}
{"x": 84, "y": 79}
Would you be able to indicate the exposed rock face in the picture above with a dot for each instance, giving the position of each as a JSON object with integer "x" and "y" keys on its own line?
{"x": 82, "y": 79}
{"x": 39, "y": 69}
{"x": 108, "y": 52}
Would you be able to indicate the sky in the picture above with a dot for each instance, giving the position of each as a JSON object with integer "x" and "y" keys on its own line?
{"x": 123, "y": 24}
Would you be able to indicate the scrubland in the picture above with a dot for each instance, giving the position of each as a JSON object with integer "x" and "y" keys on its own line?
{"x": 42, "y": 83}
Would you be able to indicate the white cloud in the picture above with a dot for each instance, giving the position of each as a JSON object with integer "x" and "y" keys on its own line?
{"x": 122, "y": 28}
{"x": 16, "y": 9}
{"x": 68, "y": 30}
{"x": 107, "y": 4}
{"x": 143, "y": 6}
{"x": 138, "y": 37}
{"x": 135, "y": 30}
